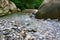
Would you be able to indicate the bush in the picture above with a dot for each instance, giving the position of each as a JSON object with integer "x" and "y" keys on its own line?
{"x": 23, "y": 4}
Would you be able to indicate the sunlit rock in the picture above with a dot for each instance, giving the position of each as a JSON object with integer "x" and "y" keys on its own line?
{"x": 6, "y": 7}
{"x": 13, "y": 7}
{"x": 30, "y": 11}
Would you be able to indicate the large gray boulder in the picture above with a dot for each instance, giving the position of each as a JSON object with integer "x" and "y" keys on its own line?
{"x": 49, "y": 9}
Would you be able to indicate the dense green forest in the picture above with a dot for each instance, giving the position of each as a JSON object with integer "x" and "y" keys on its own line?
{"x": 23, "y": 4}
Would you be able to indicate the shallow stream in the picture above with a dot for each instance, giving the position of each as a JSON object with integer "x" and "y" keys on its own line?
{"x": 15, "y": 26}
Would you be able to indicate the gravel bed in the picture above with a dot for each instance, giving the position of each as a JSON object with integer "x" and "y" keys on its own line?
{"x": 26, "y": 28}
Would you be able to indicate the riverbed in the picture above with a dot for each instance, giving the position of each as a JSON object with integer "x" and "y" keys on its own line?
{"x": 23, "y": 27}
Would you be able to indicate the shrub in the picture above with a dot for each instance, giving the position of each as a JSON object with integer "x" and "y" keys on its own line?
{"x": 23, "y": 4}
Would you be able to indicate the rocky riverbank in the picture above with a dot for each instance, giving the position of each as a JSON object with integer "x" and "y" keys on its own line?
{"x": 23, "y": 27}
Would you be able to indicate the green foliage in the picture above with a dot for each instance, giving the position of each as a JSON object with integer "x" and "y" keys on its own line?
{"x": 23, "y": 4}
